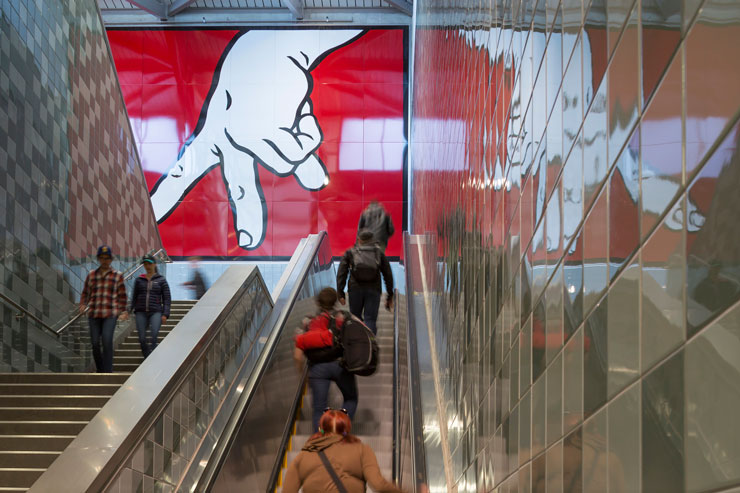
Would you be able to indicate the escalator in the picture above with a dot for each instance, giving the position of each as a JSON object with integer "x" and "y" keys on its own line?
{"x": 217, "y": 407}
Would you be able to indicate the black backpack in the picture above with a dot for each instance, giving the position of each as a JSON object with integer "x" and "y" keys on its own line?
{"x": 359, "y": 347}
{"x": 365, "y": 263}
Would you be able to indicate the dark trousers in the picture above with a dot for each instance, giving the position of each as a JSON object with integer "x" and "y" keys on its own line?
{"x": 320, "y": 376}
{"x": 102, "y": 329}
{"x": 153, "y": 320}
{"x": 364, "y": 302}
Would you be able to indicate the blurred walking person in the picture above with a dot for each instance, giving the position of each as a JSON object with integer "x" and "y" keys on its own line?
{"x": 377, "y": 220}
{"x": 104, "y": 298}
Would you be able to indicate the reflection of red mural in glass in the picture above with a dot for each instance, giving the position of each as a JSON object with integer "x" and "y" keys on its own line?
{"x": 357, "y": 99}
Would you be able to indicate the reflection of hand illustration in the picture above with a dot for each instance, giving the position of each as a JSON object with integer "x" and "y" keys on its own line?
{"x": 258, "y": 111}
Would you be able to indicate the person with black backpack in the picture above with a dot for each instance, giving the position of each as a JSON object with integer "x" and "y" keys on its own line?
{"x": 365, "y": 263}
{"x": 320, "y": 343}
{"x": 375, "y": 219}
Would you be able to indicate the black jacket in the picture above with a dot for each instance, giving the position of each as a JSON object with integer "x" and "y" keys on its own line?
{"x": 345, "y": 269}
{"x": 151, "y": 295}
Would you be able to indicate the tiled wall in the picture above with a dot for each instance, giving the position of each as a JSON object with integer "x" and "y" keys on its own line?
{"x": 577, "y": 162}
{"x": 70, "y": 178}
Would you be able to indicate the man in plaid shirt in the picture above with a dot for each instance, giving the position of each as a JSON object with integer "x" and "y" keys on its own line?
{"x": 104, "y": 296}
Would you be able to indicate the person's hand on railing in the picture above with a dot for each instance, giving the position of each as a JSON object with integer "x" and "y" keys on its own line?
{"x": 123, "y": 316}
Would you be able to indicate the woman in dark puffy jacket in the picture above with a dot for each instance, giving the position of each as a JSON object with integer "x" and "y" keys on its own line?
{"x": 150, "y": 303}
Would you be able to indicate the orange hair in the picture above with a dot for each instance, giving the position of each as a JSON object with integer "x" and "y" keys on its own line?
{"x": 334, "y": 421}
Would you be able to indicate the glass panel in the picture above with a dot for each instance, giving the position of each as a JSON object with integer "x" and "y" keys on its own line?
{"x": 539, "y": 473}
{"x": 555, "y": 468}
{"x": 573, "y": 285}
{"x": 572, "y": 92}
{"x": 713, "y": 270}
{"x": 595, "y": 271}
{"x": 595, "y": 359}
{"x": 713, "y": 376}
{"x": 595, "y": 459}
{"x": 525, "y": 429}
{"x": 712, "y": 78}
{"x": 555, "y": 400}
{"x": 624, "y": 90}
{"x": 572, "y": 462}
{"x": 663, "y": 265}
{"x": 594, "y": 48}
{"x": 660, "y": 147}
{"x": 663, "y": 427}
{"x": 595, "y": 163}
{"x": 624, "y": 226}
{"x": 624, "y": 441}
{"x": 661, "y": 33}
{"x": 525, "y": 363}
{"x": 539, "y": 415}
{"x": 617, "y": 13}
{"x": 623, "y": 329}
{"x": 539, "y": 339}
{"x": 573, "y": 382}
{"x": 554, "y": 324}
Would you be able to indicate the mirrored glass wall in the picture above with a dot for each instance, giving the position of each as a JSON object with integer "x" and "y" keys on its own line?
{"x": 576, "y": 163}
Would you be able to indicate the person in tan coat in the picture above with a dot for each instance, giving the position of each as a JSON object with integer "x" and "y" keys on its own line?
{"x": 353, "y": 461}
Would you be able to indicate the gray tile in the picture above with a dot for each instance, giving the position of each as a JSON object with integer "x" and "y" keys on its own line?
{"x": 712, "y": 400}
{"x": 663, "y": 427}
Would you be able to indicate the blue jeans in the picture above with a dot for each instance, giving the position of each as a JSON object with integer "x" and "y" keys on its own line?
{"x": 102, "y": 328}
{"x": 320, "y": 376}
{"x": 365, "y": 299}
{"x": 144, "y": 320}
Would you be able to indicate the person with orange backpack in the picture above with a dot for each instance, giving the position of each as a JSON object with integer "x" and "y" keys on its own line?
{"x": 320, "y": 344}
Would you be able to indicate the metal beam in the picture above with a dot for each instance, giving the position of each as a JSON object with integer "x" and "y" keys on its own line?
{"x": 178, "y": 6}
{"x": 295, "y": 7}
{"x": 402, "y": 5}
{"x": 154, "y": 7}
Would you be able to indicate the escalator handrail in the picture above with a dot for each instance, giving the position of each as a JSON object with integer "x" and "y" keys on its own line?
{"x": 416, "y": 421}
{"x": 285, "y": 297}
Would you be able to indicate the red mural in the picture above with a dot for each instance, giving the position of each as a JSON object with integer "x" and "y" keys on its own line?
{"x": 250, "y": 140}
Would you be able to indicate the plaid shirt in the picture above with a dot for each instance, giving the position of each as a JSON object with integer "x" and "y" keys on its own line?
{"x": 104, "y": 294}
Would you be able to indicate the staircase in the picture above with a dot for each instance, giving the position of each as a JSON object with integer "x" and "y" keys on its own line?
{"x": 41, "y": 413}
{"x": 373, "y": 421}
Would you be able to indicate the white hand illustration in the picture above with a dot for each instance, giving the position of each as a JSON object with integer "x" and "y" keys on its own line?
{"x": 258, "y": 111}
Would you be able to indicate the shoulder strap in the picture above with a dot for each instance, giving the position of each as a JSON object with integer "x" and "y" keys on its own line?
{"x": 332, "y": 472}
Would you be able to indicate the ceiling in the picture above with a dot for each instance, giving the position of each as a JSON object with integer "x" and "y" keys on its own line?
{"x": 251, "y": 12}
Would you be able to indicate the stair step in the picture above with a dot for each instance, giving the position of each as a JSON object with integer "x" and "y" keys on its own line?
{"x": 67, "y": 400}
{"x": 128, "y": 360}
{"x": 124, "y": 367}
{"x": 59, "y": 378}
{"x": 47, "y": 413}
{"x": 35, "y": 442}
{"x": 23, "y": 459}
{"x": 20, "y": 477}
{"x": 41, "y": 427}
{"x": 28, "y": 389}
